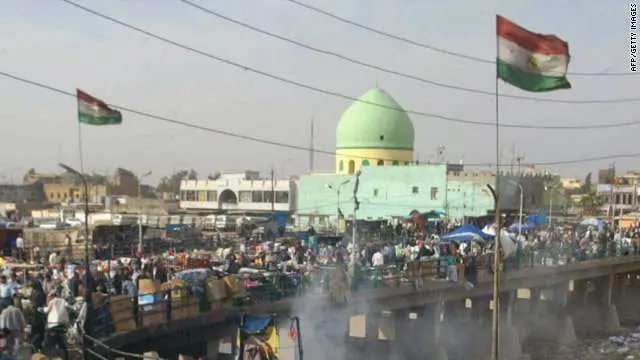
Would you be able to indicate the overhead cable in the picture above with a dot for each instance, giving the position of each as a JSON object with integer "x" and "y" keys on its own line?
{"x": 396, "y": 72}
{"x": 340, "y": 95}
{"x": 291, "y": 146}
{"x": 428, "y": 46}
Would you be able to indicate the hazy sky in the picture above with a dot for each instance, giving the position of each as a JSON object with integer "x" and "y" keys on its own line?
{"x": 52, "y": 42}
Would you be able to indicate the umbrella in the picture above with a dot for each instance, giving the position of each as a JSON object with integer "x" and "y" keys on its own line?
{"x": 591, "y": 222}
{"x": 465, "y": 233}
{"x": 489, "y": 229}
{"x": 525, "y": 227}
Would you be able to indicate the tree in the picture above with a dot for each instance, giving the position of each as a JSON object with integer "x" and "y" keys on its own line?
{"x": 171, "y": 184}
{"x": 591, "y": 203}
{"x": 586, "y": 185}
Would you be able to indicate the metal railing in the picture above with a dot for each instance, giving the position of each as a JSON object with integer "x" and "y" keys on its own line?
{"x": 165, "y": 306}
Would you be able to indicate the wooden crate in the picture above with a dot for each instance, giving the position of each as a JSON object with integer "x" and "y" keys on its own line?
{"x": 156, "y": 314}
{"x": 124, "y": 325}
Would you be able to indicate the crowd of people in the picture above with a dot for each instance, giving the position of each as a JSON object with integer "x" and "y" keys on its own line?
{"x": 41, "y": 301}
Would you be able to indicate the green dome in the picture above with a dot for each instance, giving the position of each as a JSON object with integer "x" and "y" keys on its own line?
{"x": 365, "y": 125}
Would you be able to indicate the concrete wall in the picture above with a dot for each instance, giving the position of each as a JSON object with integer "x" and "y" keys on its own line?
{"x": 387, "y": 192}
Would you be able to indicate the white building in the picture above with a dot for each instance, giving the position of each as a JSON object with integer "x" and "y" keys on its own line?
{"x": 241, "y": 192}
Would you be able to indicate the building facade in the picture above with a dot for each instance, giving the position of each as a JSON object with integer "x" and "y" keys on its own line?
{"x": 389, "y": 192}
{"x": 71, "y": 192}
{"x": 20, "y": 193}
{"x": 238, "y": 192}
{"x": 370, "y": 135}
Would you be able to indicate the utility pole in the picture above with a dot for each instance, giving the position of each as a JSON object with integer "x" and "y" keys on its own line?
{"x": 354, "y": 242}
{"x": 140, "y": 237}
{"x": 611, "y": 212}
{"x": 273, "y": 191}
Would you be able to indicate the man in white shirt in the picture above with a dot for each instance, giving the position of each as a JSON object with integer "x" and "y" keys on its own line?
{"x": 57, "y": 322}
{"x": 20, "y": 248}
{"x": 377, "y": 260}
{"x": 13, "y": 319}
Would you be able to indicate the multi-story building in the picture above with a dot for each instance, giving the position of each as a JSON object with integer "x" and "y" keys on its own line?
{"x": 58, "y": 193}
{"x": 244, "y": 192}
{"x": 20, "y": 193}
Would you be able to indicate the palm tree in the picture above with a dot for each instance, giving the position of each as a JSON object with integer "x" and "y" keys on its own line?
{"x": 591, "y": 203}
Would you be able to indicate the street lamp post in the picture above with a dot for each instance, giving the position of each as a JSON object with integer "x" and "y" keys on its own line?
{"x": 549, "y": 189}
{"x": 521, "y": 210}
{"x": 87, "y": 271}
{"x": 148, "y": 173}
{"x": 337, "y": 189}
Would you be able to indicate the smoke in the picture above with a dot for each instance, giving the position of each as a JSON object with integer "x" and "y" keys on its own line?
{"x": 323, "y": 328}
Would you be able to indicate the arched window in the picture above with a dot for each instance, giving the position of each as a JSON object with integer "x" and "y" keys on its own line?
{"x": 352, "y": 166}
{"x": 380, "y": 163}
{"x": 365, "y": 162}
{"x": 396, "y": 163}
{"x": 341, "y": 165}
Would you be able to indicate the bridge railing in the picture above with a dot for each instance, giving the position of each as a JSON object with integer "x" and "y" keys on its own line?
{"x": 121, "y": 314}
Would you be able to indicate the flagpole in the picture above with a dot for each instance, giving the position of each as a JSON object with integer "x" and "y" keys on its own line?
{"x": 87, "y": 265}
{"x": 495, "y": 338}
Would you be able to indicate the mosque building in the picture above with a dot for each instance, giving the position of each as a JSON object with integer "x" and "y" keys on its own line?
{"x": 369, "y": 135}
{"x": 376, "y": 137}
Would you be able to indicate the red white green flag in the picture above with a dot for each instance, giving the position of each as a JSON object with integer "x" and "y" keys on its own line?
{"x": 93, "y": 111}
{"x": 530, "y": 61}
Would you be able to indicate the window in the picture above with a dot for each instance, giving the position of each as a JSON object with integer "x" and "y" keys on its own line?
{"x": 365, "y": 162}
{"x": 380, "y": 162}
{"x": 282, "y": 197}
{"x": 245, "y": 196}
{"x": 406, "y": 163}
{"x": 434, "y": 193}
{"x": 352, "y": 166}
{"x": 58, "y": 196}
{"x": 187, "y": 195}
{"x": 267, "y": 196}
{"x": 381, "y": 137}
{"x": 396, "y": 162}
{"x": 212, "y": 196}
{"x": 64, "y": 195}
{"x": 202, "y": 195}
{"x": 257, "y": 197}
{"x": 341, "y": 166}
{"x": 375, "y": 192}
{"x": 415, "y": 190}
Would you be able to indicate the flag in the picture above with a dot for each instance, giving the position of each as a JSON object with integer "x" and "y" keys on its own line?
{"x": 530, "y": 61}
{"x": 94, "y": 111}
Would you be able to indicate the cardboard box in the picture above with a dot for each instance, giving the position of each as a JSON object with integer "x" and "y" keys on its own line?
{"x": 125, "y": 325}
{"x": 148, "y": 286}
{"x": 216, "y": 289}
{"x": 232, "y": 285}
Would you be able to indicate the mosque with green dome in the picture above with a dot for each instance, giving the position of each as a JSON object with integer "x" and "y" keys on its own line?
{"x": 370, "y": 135}
{"x": 376, "y": 137}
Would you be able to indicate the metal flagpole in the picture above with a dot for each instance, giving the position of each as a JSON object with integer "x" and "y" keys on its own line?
{"x": 495, "y": 338}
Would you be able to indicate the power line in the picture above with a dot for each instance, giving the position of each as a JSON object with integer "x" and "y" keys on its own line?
{"x": 290, "y": 146}
{"x": 425, "y": 45}
{"x": 391, "y": 71}
{"x": 337, "y": 94}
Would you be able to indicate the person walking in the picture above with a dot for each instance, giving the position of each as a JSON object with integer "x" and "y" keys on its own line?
{"x": 12, "y": 319}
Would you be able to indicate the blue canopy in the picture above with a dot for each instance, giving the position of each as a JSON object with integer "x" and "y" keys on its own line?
{"x": 466, "y": 233}
{"x": 256, "y": 324}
